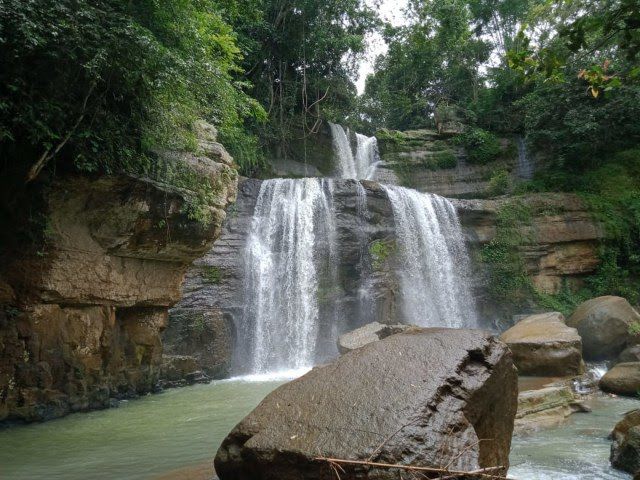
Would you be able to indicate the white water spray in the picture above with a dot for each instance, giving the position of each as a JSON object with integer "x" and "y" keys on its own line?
{"x": 359, "y": 165}
{"x": 434, "y": 268}
{"x": 280, "y": 320}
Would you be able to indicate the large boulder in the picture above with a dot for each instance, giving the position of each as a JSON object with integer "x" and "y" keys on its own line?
{"x": 431, "y": 397}
{"x": 604, "y": 324}
{"x": 623, "y": 379}
{"x": 371, "y": 332}
{"x": 543, "y": 345}
{"x": 625, "y": 449}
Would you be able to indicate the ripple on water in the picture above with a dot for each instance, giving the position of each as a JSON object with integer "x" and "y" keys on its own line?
{"x": 579, "y": 449}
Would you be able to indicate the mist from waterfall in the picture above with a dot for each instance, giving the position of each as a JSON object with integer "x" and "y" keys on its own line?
{"x": 359, "y": 165}
{"x": 291, "y": 239}
{"x": 434, "y": 270}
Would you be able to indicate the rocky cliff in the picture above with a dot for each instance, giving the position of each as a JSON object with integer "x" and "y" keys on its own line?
{"x": 561, "y": 244}
{"x": 81, "y": 317}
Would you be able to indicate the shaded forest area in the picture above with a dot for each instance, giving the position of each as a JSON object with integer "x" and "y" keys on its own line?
{"x": 100, "y": 87}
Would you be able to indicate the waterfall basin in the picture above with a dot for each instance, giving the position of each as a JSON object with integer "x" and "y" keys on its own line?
{"x": 174, "y": 435}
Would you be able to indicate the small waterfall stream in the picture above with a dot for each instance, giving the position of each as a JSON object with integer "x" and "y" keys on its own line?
{"x": 525, "y": 167}
{"x": 359, "y": 165}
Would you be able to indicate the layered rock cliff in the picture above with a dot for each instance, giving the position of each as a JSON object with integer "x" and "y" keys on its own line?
{"x": 561, "y": 246}
{"x": 80, "y": 318}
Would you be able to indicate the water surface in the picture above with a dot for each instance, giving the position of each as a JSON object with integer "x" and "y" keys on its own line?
{"x": 165, "y": 436}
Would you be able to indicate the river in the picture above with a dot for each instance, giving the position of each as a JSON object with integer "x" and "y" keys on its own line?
{"x": 174, "y": 435}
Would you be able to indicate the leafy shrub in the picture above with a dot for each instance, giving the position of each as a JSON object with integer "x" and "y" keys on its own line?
{"x": 212, "y": 274}
{"x": 96, "y": 85}
{"x": 499, "y": 183}
{"x": 441, "y": 160}
{"x": 481, "y": 146}
{"x": 380, "y": 250}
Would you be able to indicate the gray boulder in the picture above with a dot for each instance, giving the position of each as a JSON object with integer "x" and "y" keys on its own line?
{"x": 629, "y": 354}
{"x": 623, "y": 379}
{"x": 371, "y": 332}
{"x": 543, "y": 345}
{"x": 625, "y": 449}
{"x": 605, "y": 325}
{"x": 422, "y": 397}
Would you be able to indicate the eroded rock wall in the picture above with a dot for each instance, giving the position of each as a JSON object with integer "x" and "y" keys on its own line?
{"x": 563, "y": 241}
{"x": 81, "y": 318}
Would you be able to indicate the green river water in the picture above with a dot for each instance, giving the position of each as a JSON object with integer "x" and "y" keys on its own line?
{"x": 159, "y": 436}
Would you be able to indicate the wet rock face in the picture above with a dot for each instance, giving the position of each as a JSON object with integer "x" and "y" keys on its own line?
{"x": 422, "y": 397}
{"x": 625, "y": 449}
{"x": 605, "y": 325}
{"x": 80, "y": 322}
{"x": 543, "y": 345}
{"x": 564, "y": 248}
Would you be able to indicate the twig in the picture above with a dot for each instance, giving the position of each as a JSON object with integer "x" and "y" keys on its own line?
{"x": 37, "y": 167}
{"x": 481, "y": 472}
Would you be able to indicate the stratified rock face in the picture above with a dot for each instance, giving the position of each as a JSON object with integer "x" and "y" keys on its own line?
{"x": 544, "y": 408}
{"x": 543, "y": 345}
{"x": 561, "y": 239}
{"x": 605, "y": 324}
{"x": 372, "y": 332}
{"x": 623, "y": 379}
{"x": 80, "y": 321}
{"x": 625, "y": 449}
{"x": 422, "y": 397}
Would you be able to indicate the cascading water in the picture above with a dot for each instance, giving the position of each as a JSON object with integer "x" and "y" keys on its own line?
{"x": 292, "y": 236}
{"x": 359, "y": 165}
{"x": 293, "y": 291}
{"x": 434, "y": 271}
{"x": 525, "y": 167}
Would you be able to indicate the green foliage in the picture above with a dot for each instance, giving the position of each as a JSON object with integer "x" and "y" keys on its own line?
{"x": 634, "y": 329}
{"x": 380, "y": 251}
{"x": 509, "y": 283}
{"x": 583, "y": 26}
{"x": 565, "y": 301}
{"x": 300, "y": 56}
{"x": 431, "y": 62}
{"x": 481, "y": 146}
{"x": 94, "y": 85}
{"x": 440, "y": 160}
{"x": 499, "y": 183}
{"x": 212, "y": 274}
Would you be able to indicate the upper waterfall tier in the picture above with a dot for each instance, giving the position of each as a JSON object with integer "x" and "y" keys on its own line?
{"x": 360, "y": 164}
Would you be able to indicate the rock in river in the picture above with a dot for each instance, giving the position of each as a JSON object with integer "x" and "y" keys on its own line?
{"x": 542, "y": 345}
{"x": 623, "y": 379}
{"x": 371, "y": 332}
{"x": 431, "y": 397}
{"x": 604, "y": 325}
{"x": 625, "y": 449}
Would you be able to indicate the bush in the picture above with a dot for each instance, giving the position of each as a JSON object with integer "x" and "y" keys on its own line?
{"x": 441, "y": 160}
{"x": 481, "y": 146}
{"x": 499, "y": 183}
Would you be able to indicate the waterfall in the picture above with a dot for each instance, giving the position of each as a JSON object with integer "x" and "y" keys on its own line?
{"x": 525, "y": 167}
{"x": 291, "y": 239}
{"x": 434, "y": 270}
{"x": 362, "y": 164}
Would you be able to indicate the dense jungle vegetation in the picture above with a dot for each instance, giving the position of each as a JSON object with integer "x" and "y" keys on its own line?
{"x": 98, "y": 86}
